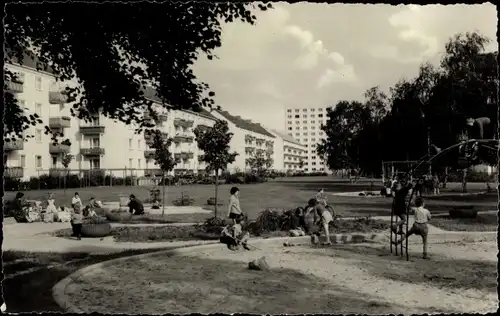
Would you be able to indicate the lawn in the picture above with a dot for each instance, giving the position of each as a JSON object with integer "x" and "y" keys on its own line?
{"x": 483, "y": 222}
{"x": 285, "y": 193}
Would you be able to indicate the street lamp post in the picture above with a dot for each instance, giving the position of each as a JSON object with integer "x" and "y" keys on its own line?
{"x": 428, "y": 128}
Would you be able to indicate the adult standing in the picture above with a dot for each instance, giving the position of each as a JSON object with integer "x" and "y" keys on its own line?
{"x": 234, "y": 211}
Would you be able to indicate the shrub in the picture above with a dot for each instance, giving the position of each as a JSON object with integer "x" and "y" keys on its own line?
{"x": 268, "y": 220}
{"x": 463, "y": 213}
{"x": 211, "y": 201}
{"x": 13, "y": 184}
{"x": 183, "y": 200}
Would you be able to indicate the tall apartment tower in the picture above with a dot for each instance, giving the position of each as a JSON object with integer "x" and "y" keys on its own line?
{"x": 304, "y": 124}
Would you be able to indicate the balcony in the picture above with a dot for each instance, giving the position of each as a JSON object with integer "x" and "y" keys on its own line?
{"x": 249, "y": 138}
{"x": 184, "y": 155}
{"x": 58, "y": 97}
{"x": 200, "y": 158}
{"x": 189, "y": 123}
{"x": 14, "y": 172}
{"x": 18, "y": 144}
{"x": 183, "y": 138}
{"x": 94, "y": 151}
{"x": 161, "y": 117}
{"x": 203, "y": 127}
{"x": 149, "y": 154}
{"x": 15, "y": 87}
{"x": 183, "y": 123}
{"x": 269, "y": 143}
{"x": 56, "y": 149}
{"x": 60, "y": 122}
{"x": 92, "y": 129}
{"x": 149, "y": 137}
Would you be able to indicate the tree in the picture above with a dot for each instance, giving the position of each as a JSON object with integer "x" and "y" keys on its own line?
{"x": 161, "y": 143}
{"x": 66, "y": 159}
{"x": 111, "y": 60}
{"x": 214, "y": 142}
{"x": 261, "y": 161}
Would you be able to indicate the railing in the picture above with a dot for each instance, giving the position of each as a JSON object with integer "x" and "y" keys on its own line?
{"x": 18, "y": 144}
{"x": 59, "y": 148}
{"x": 94, "y": 151}
{"x": 149, "y": 154}
{"x": 183, "y": 138}
{"x": 15, "y": 87}
{"x": 60, "y": 122}
{"x": 14, "y": 172}
{"x": 58, "y": 97}
{"x": 92, "y": 129}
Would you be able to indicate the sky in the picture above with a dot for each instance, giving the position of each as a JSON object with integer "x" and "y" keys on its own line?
{"x": 314, "y": 55}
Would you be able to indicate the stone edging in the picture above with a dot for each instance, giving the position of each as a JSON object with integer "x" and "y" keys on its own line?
{"x": 59, "y": 290}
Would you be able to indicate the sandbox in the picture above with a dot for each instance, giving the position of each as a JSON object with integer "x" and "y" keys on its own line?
{"x": 345, "y": 279}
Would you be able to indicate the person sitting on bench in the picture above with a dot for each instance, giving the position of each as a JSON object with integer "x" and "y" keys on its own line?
{"x": 135, "y": 206}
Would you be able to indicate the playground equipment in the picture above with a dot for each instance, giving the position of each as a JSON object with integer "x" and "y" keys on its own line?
{"x": 492, "y": 148}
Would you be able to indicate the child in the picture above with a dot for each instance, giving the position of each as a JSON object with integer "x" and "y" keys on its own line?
{"x": 422, "y": 216}
{"x": 76, "y": 199}
{"x": 435, "y": 184}
{"x": 234, "y": 210}
{"x": 320, "y": 197}
{"x": 77, "y": 221}
{"x": 322, "y": 217}
{"x": 233, "y": 235}
{"x": 399, "y": 206}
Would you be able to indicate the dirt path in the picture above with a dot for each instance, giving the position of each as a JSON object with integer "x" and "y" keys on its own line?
{"x": 339, "y": 279}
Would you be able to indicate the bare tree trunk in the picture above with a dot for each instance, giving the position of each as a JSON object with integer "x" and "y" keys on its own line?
{"x": 65, "y": 176}
{"x": 464, "y": 181}
{"x": 216, "y": 190}
{"x": 163, "y": 198}
{"x": 445, "y": 180}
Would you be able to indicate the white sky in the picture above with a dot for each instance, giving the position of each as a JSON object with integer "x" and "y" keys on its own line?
{"x": 312, "y": 55}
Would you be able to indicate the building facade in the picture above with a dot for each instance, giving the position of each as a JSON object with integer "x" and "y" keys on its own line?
{"x": 304, "y": 125}
{"x": 113, "y": 147}
{"x": 290, "y": 153}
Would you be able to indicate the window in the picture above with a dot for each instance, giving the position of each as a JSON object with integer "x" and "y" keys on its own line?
{"x": 305, "y": 134}
{"x": 305, "y": 127}
{"x": 38, "y": 83}
{"x": 297, "y": 128}
{"x": 320, "y": 110}
{"x": 130, "y": 163}
{"x": 313, "y": 133}
{"x": 313, "y": 139}
{"x": 304, "y": 116}
{"x": 313, "y": 127}
{"x": 38, "y": 162}
{"x": 313, "y": 169}
{"x": 304, "y": 122}
{"x": 304, "y": 110}
{"x": 321, "y": 169}
{"x": 297, "y": 134}
{"x": 320, "y": 115}
{"x": 290, "y": 134}
{"x": 312, "y": 115}
{"x": 313, "y": 109}
{"x": 313, "y": 145}
{"x": 130, "y": 143}
{"x": 289, "y": 110}
{"x": 95, "y": 164}
{"x": 289, "y": 116}
{"x": 305, "y": 140}
{"x": 289, "y": 128}
{"x": 321, "y": 133}
{"x": 138, "y": 144}
{"x": 38, "y": 135}
{"x": 312, "y": 122}
{"x": 94, "y": 142}
{"x": 38, "y": 109}
{"x": 306, "y": 145}
{"x": 313, "y": 163}
{"x": 23, "y": 161}
{"x": 54, "y": 161}
{"x": 297, "y": 110}
{"x": 139, "y": 163}
{"x": 297, "y": 116}
{"x": 289, "y": 122}
{"x": 297, "y": 122}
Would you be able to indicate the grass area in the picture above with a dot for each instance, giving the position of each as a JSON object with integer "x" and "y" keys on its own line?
{"x": 483, "y": 222}
{"x": 197, "y": 232}
{"x": 30, "y": 276}
{"x": 125, "y": 218}
{"x": 286, "y": 193}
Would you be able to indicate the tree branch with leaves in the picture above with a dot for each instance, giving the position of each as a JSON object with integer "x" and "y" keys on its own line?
{"x": 215, "y": 144}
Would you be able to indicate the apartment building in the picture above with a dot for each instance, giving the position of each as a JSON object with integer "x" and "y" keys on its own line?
{"x": 290, "y": 153}
{"x": 304, "y": 125}
{"x": 248, "y": 139}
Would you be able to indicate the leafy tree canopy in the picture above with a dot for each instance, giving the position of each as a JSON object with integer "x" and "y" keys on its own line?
{"x": 114, "y": 50}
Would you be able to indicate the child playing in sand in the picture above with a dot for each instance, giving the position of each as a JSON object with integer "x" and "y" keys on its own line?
{"x": 77, "y": 221}
{"x": 322, "y": 217}
{"x": 422, "y": 216}
{"x": 233, "y": 235}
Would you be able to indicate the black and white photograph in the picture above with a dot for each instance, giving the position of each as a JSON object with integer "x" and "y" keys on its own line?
{"x": 199, "y": 157}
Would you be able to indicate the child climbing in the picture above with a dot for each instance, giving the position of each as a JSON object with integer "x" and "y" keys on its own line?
{"x": 422, "y": 216}
{"x": 234, "y": 236}
{"x": 399, "y": 206}
{"x": 322, "y": 217}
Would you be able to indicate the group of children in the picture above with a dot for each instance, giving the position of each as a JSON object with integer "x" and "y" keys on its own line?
{"x": 233, "y": 235}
